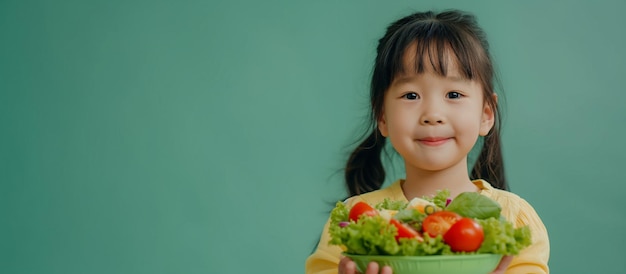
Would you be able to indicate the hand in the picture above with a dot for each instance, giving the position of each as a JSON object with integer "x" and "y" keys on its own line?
{"x": 347, "y": 266}
{"x": 504, "y": 263}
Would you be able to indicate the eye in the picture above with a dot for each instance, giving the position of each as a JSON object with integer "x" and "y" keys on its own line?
{"x": 411, "y": 96}
{"x": 454, "y": 95}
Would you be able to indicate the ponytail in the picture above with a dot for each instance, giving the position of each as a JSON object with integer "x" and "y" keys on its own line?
{"x": 490, "y": 164}
{"x": 364, "y": 170}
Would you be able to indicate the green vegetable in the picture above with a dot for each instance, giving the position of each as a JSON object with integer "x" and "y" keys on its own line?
{"x": 340, "y": 213}
{"x": 374, "y": 235}
{"x": 412, "y": 217}
{"x": 474, "y": 205}
{"x": 440, "y": 198}
{"x": 502, "y": 238}
{"x": 430, "y": 246}
{"x": 371, "y": 235}
{"x": 392, "y": 205}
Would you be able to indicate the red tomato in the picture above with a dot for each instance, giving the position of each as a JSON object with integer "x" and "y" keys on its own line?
{"x": 439, "y": 222}
{"x": 404, "y": 231}
{"x": 361, "y": 208}
{"x": 464, "y": 235}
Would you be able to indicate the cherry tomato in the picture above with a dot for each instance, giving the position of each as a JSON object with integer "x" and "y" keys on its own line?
{"x": 464, "y": 235}
{"x": 404, "y": 231}
{"x": 439, "y": 222}
{"x": 361, "y": 208}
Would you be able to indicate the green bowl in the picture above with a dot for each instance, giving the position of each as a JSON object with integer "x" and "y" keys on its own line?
{"x": 436, "y": 264}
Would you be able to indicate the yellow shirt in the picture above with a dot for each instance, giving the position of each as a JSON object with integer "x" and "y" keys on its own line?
{"x": 533, "y": 259}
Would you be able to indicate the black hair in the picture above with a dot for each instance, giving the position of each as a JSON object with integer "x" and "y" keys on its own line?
{"x": 438, "y": 35}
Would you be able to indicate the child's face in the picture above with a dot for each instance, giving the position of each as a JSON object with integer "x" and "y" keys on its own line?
{"x": 434, "y": 121}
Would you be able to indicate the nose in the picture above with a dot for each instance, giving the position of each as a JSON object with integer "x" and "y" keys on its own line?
{"x": 431, "y": 118}
{"x": 431, "y": 121}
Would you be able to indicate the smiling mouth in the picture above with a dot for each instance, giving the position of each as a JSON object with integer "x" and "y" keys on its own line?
{"x": 433, "y": 141}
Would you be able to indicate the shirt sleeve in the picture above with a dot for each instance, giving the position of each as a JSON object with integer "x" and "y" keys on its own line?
{"x": 534, "y": 258}
{"x": 325, "y": 258}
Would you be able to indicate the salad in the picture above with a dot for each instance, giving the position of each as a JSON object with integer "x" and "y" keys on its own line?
{"x": 469, "y": 224}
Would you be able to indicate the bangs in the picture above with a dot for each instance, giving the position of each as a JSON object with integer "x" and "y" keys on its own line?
{"x": 445, "y": 43}
{"x": 440, "y": 46}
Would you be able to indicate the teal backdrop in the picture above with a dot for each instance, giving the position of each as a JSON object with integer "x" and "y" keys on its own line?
{"x": 209, "y": 136}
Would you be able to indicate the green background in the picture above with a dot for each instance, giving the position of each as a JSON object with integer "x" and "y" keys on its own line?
{"x": 209, "y": 136}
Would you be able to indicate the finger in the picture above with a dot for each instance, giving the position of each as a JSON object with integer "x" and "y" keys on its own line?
{"x": 346, "y": 266}
{"x": 502, "y": 266}
{"x": 372, "y": 268}
{"x": 350, "y": 268}
{"x": 386, "y": 270}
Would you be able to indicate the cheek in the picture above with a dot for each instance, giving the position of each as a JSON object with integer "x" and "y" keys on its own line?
{"x": 398, "y": 120}
{"x": 470, "y": 124}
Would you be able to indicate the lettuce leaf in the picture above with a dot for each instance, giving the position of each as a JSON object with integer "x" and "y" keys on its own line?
{"x": 392, "y": 205}
{"x": 502, "y": 238}
{"x": 339, "y": 214}
{"x": 430, "y": 246}
{"x": 368, "y": 236}
{"x": 440, "y": 198}
{"x": 475, "y": 205}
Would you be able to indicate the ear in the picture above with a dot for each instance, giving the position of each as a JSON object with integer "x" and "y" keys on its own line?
{"x": 487, "y": 119}
{"x": 382, "y": 125}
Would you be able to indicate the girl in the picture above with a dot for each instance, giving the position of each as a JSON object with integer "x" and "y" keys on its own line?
{"x": 432, "y": 95}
